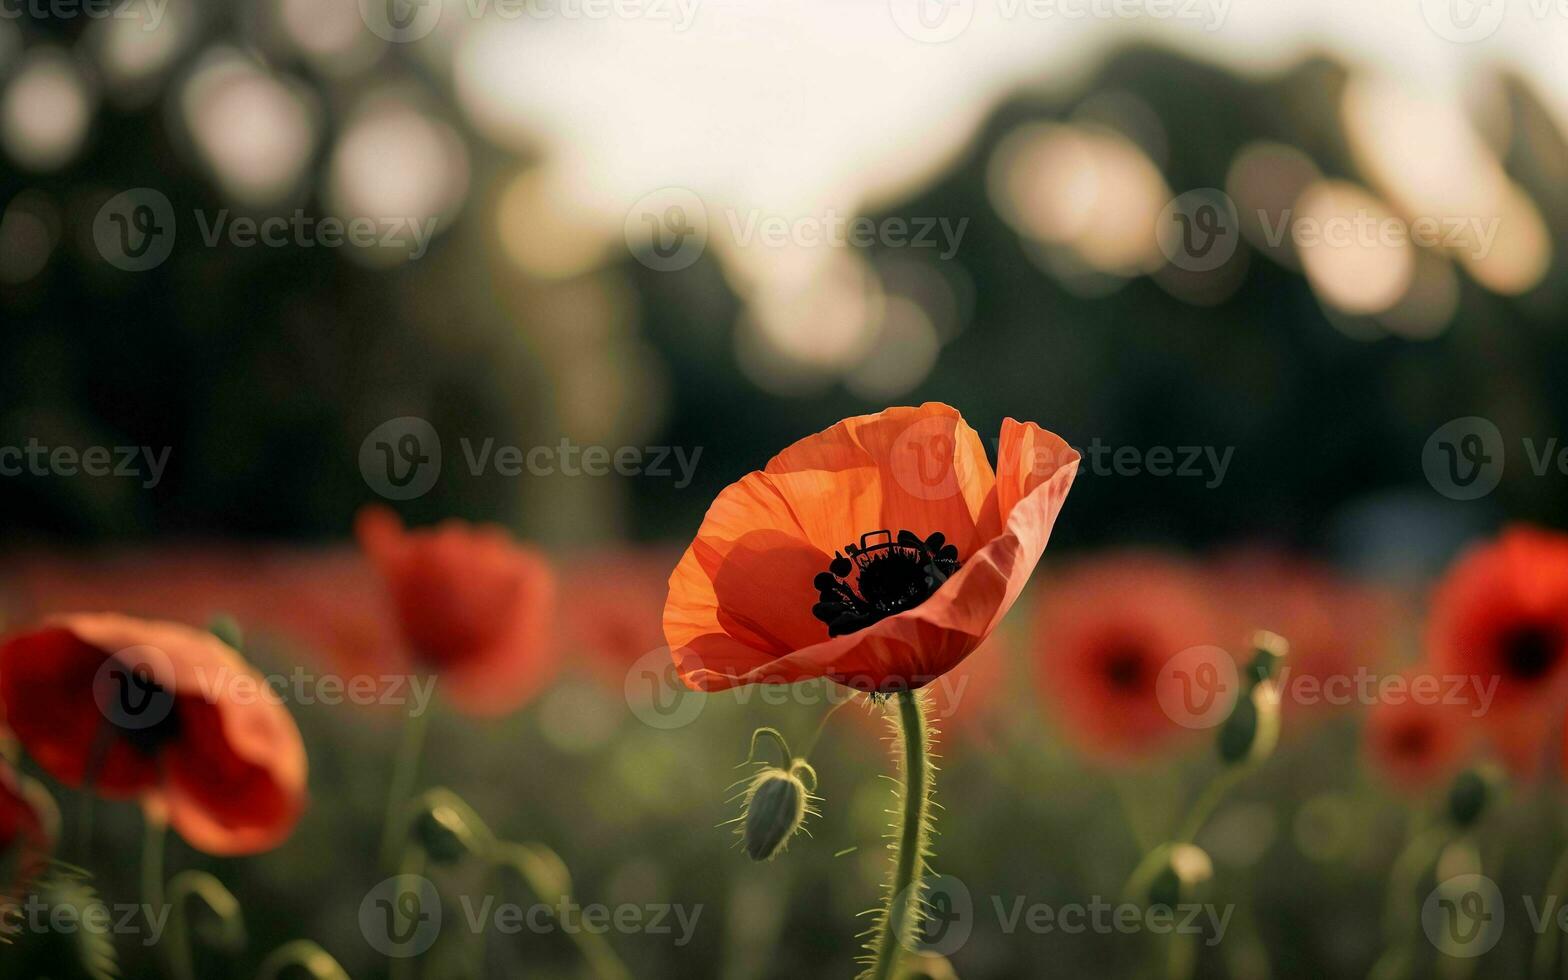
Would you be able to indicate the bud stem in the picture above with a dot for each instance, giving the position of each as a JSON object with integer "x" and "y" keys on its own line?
{"x": 1544, "y": 960}
{"x": 405, "y": 773}
{"x": 900, "y": 917}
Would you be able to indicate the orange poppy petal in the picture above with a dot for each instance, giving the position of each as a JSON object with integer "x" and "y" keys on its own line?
{"x": 923, "y": 469}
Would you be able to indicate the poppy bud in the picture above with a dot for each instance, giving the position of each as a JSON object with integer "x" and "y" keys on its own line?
{"x": 776, "y": 806}
{"x": 447, "y": 828}
{"x": 1186, "y": 868}
{"x": 1252, "y": 730}
{"x": 1268, "y": 650}
{"x": 1469, "y": 795}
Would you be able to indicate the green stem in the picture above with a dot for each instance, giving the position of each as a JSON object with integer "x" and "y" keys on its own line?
{"x": 1399, "y": 920}
{"x": 152, "y": 849}
{"x": 304, "y": 955}
{"x": 1212, "y": 794}
{"x": 900, "y": 918}
{"x": 405, "y": 772}
{"x": 1544, "y": 962}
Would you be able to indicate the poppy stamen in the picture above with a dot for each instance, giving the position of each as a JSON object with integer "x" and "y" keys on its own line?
{"x": 890, "y": 575}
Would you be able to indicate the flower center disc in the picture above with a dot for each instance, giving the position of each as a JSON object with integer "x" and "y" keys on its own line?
{"x": 890, "y": 575}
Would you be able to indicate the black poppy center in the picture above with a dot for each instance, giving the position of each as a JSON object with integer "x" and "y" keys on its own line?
{"x": 140, "y": 711}
{"x": 1412, "y": 741}
{"x": 1530, "y": 651}
{"x": 1123, "y": 668}
{"x": 881, "y": 576}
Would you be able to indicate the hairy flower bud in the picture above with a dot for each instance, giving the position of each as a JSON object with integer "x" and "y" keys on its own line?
{"x": 1252, "y": 730}
{"x": 776, "y": 805}
{"x": 776, "y": 800}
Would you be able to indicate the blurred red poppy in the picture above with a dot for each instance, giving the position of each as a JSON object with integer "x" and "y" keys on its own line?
{"x": 878, "y": 553}
{"x": 1500, "y": 617}
{"x": 28, "y": 827}
{"x": 474, "y": 606}
{"x": 1104, "y": 630}
{"x": 1339, "y": 630}
{"x": 156, "y": 710}
{"x": 611, "y": 606}
{"x": 1418, "y": 745}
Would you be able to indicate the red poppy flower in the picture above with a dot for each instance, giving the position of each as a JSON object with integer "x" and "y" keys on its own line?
{"x": 878, "y": 553}
{"x": 28, "y": 827}
{"x": 160, "y": 711}
{"x": 474, "y": 606}
{"x": 1500, "y": 616}
{"x": 1104, "y": 631}
{"x": 1418, "y": 745}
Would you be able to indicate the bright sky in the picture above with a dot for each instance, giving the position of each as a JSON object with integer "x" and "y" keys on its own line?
{"x": 794, "y": 107}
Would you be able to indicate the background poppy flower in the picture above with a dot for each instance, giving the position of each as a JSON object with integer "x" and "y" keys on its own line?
{"x": 878, "y": 553}
{"x": 473, "y": 605}
{"x": 611, "y": 604}
{"x": 29, "y": 825}
{"x": 1418, "y": 745}
{"x": 1500, "y": 615}
{"x": 198, "y": 735}
{"x": 1104, "y": 629}
{"x": 1337, "y": 628}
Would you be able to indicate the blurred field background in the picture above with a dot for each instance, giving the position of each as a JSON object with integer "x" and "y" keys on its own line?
{"x": 537, "y": 315}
